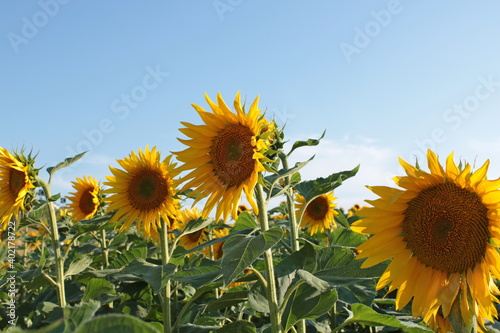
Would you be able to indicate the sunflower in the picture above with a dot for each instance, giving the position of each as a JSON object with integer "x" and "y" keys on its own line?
{"x": 143, "y": 192}
{"x": 225, "y": 155}
{"x": 440, "y": 230}
{"x": 217, "y": 247}
{"x": 319, "y": 213}
{"x": 86, "y": 200}
{"x": 188, "y": 241}
{"x": 17, "y": 177}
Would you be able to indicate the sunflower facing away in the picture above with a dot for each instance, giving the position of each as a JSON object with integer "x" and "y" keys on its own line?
{"x": 86, "y": 199}
{"x": 225, "y": 155}
{"x": 441, "y": 230}
{"x": 17, "y": 177}
{"x": 144, "y": 191}
{"x": 319, "y": 213}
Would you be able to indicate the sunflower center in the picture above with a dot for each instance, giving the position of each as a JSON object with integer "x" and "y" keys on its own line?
{"x": 446, "y": 227}
{"x": 232, "y": 155}
{"x": 86, "y": 204}
{"x": 147, "y": 190}
{"x": 17, "y": 181}
{"x": 318, "y": 208}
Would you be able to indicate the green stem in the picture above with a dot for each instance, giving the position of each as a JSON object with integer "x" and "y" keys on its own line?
{"x": 54, "y": 234}
{"x": 294, "y": 226}
{"x": 272, "y": 297}
{"x": 165, "y": 257}
{"x": 104, "y": 247}
{"x": 333, "y": 318}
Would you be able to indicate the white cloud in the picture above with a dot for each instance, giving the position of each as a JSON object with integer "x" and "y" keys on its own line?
{"x": 378, "y": 165}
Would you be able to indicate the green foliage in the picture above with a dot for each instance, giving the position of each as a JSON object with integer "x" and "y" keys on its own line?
{"x": 241, "y": 251}
{"x": 115, "y": 281}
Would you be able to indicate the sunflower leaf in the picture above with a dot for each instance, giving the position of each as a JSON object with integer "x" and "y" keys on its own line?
{"x": 313, "y": 188}
{"x": 366, "y": 316}
{"x": 308, "y": 143}
{"x": 311, "y": 300}
{"x": 195, "y": 225}
{"x": 241, "y": 251}
{"x": 116, "y": 323}
{"x": 67, "y": 162}
{"x": 240, "y": 326}
{"x": 78, "y": 266}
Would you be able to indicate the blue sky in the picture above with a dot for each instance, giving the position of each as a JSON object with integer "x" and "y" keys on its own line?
{"x": 383, "y": 78}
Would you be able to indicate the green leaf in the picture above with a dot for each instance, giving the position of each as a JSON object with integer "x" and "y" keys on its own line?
{"x": 97, "y": 287}
{"x": 127, "y": 257}
{"x": 241, "y": 251}
{"x": 312, "y": 188}
{"x": 67, "y": 162}
{"x": 257, "y": 298}
{"x": 116, "y": 323}
{"x": 192, "y": 328}
{"x": 78, "y": 266}
{"x": 151, "y": 273}
{"x": 366, "y": 316}
{"x": 311, "y": 300}
{"x": 93, "y": 224}
{"x": 288, "y": 172}
{"x": 239, "y": 326}
{"x": 340, "y": 262}
{"x": 346, "y": 237}
{"x": 227, "y": 300}
{"x": 308, "y": 143}
{"x": 245, "y": 221}
{"x": 195, "y": 225}
{"x": 341, "y": 219}
{"x": 208, "y": 271}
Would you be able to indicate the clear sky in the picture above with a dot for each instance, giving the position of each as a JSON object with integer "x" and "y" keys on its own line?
{"x": 383, "y": 78}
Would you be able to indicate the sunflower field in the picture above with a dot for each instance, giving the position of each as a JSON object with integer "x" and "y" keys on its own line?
{"x": 225, "y": 236}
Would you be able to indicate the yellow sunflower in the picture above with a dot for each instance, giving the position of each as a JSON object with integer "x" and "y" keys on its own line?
{"x": 319, "y": 213}
{"x": 86, "y": 199}
{"x": 193, "y": 239}
{"x": 441, "y": 230}
{"x": 17, "y": 178}
{"x": 217, "y": 247}
{"x": 143, "y": 192}
{"x": 225, "y": 155}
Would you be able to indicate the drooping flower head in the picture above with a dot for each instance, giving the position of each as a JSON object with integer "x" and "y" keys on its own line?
{"x": 87, "y": 198}
{"x": 144, "y": 191}
{"x": 225, "y": 155}
{"x": 17, "y": 179}
{"x": 318, "y": 215}
{"x": 440, "y": 229}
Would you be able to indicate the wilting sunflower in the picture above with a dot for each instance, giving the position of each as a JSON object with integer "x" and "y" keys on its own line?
{"x": 193, "y": 239}
{"x": 319, "y": 213}
{"x": 440, "y": 230}
{"x": 225, "y": 155}
{"x": 17, "y": 177}
{"x": 86, "y": 199}
{"x": 143, "y": 192}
